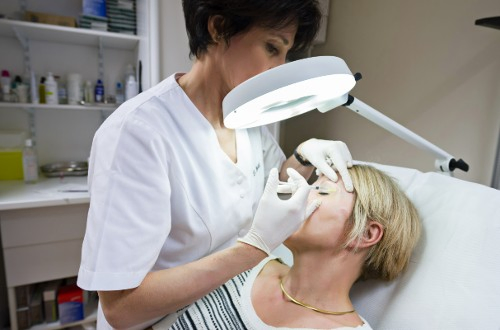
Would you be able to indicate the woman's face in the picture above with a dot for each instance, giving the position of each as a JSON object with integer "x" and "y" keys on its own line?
{"x": 326, "y": 226}
{"x": 253, "y": 52}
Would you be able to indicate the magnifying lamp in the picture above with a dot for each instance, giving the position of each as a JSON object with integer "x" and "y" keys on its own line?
{"x": 321, "y": 83}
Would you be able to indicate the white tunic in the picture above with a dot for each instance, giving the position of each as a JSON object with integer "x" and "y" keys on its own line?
{"x": 163, "y": 192}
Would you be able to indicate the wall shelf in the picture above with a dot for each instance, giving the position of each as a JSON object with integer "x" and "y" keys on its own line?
{"x": 70, "y": 35}
{"x": 103, "y": 107}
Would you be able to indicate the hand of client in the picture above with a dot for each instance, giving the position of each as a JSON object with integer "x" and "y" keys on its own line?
{"x": 327, "y": 156}
{"x": 276, "y": 219}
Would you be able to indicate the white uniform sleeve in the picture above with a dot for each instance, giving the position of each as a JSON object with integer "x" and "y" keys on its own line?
{"x": 273, "y": 155}
{"x": 129, "y": 217}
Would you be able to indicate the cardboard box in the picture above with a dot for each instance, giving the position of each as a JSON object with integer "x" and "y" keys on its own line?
{"x": 45, "y": 18}
{"x": 23, "y": 295}
{"x": 70, "y": 302}
{"x": 50, "y": 300}
{"x": 23, "y": 318}
{"x": 36, "y": 306}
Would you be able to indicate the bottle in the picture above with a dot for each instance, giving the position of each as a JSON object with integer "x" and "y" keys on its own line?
{"x": 5, "y": 82}
{"x": 41, "y": 91}
{"x": 120, "y": 97}
{"x": 99, "y": 92}
{"x": 74, "y": 88}
{"x": 88, "y": 94}
{"x": 30, "y": 162}
{"x": 51, "y": 93}
{"x": 33, "y": 90}
{"x": 130, "y": 88}
{"x": 62, "y": 93}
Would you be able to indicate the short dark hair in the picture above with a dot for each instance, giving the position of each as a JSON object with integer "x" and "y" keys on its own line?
{"x": 240, "y": 15}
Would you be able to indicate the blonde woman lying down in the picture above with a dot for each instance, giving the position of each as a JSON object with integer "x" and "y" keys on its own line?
{"x": 370, "y": 233}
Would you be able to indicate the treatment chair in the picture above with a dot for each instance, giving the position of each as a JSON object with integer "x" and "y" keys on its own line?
{"x": 453, "y": 280}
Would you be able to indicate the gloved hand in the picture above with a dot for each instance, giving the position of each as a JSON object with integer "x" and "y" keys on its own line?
{"x": 325, "y": 154}
{"x": 276, "y": 219}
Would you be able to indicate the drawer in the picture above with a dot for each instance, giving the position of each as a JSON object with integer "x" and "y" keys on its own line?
{"x": 42, "y": 262}
{"x": 43, "y": 225}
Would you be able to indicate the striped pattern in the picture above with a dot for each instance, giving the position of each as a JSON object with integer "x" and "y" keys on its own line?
{"x": 218, "y": 310}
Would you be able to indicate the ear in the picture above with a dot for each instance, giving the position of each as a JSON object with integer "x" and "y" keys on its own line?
{"x": 373, "y": 234}
{"x": 214, "y": 26}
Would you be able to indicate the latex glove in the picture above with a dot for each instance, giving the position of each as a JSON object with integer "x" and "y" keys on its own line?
{"x": 276, "y": 219}
{"x": 326, "y": 156}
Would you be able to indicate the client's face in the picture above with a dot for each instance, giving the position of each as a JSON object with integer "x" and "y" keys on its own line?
{"x": 326, "y": 225}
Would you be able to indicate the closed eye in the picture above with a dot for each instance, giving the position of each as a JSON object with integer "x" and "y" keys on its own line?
{"x": 272, "y": 49}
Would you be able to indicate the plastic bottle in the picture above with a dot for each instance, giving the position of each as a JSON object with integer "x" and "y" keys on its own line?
{"x": 33, "y": 90}
{"x": 5, "y": 82}
{"x": 51, "y": 93}
{"x": 99, "y": 92}
{"x": 62, "y": 93}
{"x": 88, "y": 94}
{"x": 41, "y": 91}
{"x": 74, "y": 88}
{"x": 30, "y": 162}
{"x": 130, "y": 88}
{"x": 120, "y": 96}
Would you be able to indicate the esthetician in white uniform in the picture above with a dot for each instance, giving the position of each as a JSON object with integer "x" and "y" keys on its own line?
{"x": 172, "y": 190}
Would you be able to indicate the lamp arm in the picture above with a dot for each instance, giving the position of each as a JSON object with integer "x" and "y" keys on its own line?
{"x": 444, "y": 161}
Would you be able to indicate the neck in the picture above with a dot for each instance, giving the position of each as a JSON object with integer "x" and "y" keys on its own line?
{"x": 328, "y": 286}
{"x": 203, "y": 85}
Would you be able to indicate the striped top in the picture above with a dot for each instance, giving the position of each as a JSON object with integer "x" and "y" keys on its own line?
{"x": 228, "y": 307}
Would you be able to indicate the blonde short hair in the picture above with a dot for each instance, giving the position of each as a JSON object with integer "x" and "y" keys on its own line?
{"x": 380, "y": 199}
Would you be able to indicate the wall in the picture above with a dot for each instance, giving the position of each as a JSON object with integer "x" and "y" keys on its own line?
{"x": 174, "y": 48}
{"x": 425, "y": 65}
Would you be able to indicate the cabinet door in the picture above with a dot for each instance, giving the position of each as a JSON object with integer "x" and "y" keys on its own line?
{"x": 42, "y": 244}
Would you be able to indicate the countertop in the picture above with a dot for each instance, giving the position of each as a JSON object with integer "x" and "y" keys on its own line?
{"x": 46, "y": 192}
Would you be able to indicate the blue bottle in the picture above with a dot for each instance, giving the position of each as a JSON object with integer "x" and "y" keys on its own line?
{"x": 99, "y": 92}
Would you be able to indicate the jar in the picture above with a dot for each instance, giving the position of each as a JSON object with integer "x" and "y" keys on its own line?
{"x": 74, "y": 87}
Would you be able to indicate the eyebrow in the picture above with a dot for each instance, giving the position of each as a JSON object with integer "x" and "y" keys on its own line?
{"x": 285, "y": 41}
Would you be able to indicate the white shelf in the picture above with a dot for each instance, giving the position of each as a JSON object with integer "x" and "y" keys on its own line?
{"x": 69, "y": 35}
{"x": 58, "y": 325}
{"x": 92, "y": 317}
{"x": 104, "y": 107}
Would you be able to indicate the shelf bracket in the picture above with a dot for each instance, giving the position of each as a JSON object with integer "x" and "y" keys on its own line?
{"x": 31, "y": 124}
{"x": 25, "y": 44}
{"x": 100, "y": 56}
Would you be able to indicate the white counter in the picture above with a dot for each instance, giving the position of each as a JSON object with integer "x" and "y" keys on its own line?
{"x": 47, "y": 192}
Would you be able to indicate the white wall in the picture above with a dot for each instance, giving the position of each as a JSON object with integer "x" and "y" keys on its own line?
{"x": 424, "y": 64}
{"x": 174, "y": 46}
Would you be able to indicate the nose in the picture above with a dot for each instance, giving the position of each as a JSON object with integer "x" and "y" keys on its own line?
{"x": 277, "y": 62}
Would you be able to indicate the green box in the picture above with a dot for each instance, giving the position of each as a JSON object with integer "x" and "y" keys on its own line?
{"x": 11, "y": 164}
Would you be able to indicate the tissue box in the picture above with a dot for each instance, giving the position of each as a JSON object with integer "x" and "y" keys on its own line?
{"x": 70, "y": 302}
{"x": 45, "y": 18}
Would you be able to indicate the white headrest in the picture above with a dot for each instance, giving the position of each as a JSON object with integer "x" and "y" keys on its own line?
{"x": 453, "y": 278}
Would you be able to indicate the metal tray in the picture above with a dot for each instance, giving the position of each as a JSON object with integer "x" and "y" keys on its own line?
{"x": 69, "y": 168}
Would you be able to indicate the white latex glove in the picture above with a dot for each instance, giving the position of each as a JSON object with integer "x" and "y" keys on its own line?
{"x": 326, "y": 156}
{"x": 276, "y": 219}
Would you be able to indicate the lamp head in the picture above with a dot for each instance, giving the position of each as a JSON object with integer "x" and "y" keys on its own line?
{"x": 288, "y": 90}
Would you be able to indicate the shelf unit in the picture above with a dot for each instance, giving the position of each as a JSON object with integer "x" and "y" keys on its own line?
{"x": 91, "y": 107}
{"x": 77, "y": 125}
{"x": 68, "y": 35}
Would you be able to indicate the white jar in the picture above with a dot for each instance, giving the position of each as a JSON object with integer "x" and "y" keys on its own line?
{"x": 74, "y": 87}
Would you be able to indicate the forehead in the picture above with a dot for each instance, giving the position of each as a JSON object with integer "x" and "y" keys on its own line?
{"x": 322, "y": 179}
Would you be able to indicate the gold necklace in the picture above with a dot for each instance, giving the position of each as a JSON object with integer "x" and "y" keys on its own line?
{"x": 295, "y": 301}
